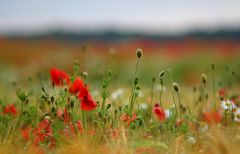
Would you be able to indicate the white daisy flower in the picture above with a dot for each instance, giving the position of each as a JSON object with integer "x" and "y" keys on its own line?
{"x": 117, "y": 94}
{"x": 141, "y": 94}
{"x": 192, "y": 140}
{"x": 168, "y": 113}
{"x": 159, "y": 87}
{"x": 143, "y": 106}
{"x": 237, "y": 115}
{"x": 228, "y": 105}
{"x": 95, "y": 93}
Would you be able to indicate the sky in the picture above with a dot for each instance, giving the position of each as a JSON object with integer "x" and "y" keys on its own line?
{"x": 142, "y": 15}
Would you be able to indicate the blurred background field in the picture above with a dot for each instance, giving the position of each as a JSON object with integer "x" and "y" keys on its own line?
{"x": 185, "y": 36}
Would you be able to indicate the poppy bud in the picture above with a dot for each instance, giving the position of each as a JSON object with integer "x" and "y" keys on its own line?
{"x": 138, "y": 87}
{"x": 153, "y": 79}
{"x": 136, "y": 81}
{"x": 47, "y": 117}
{"x": 140, "y": 123}
{"x": 72, "y": 99}
{"x": 213, "y": 66}
{"x": 120, "y": 108}
{"x": 109, "y": 73}
{"x": 27, "y": 101}
{"x": 52, "y": 99}
{"x": 204, "y": 78}
{"x": 139, "y": 52}
{"x": 85, "y": 74}
{"x": 71, "y": 104}
{"x": 53, "y": 110}
{"x": 161, "y": 74}
{"x": 76, "y": 66}
{"x": 108, "y": 106}
{"x": 194, "y": 89}
{"x": 43, "y": 90}
{"x": 175, "y": 86}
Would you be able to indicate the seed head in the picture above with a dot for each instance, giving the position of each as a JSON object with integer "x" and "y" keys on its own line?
{"x": 139, "y": 52}
{"x": 204, "y": 78}
{"x": 175, "y": 86}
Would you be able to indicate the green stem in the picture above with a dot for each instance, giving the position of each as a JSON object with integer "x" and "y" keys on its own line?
{"x": 161, "y": 91}
{"x": 103, "y": 105}
{"x": 151, "y": 102}
{"x": 133, "y": 88}
{"x": 214, "y": 91}
{"x": 176, "y": 115}
{"x": 179, "y": 104}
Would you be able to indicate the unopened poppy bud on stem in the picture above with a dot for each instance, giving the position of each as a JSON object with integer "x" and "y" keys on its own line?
{"x": 153, "y": 79}
{"x": 139, "y": 53}
{"x": 109, "y": 73}
{"x": 204, "y": 78}
{"x": 213, "y": 66}
{"x": 175, "y": 86}
{"x": 85, "y": 74}
{"x": 161, "y": 74}
{"x": 136, "y": 81}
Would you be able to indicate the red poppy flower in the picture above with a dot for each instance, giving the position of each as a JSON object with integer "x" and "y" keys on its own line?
{"x": 71, "y": 129}
{"x": 210, "y": 117}
{"x": 10, "y": 109}
{"x": 83, "y": 92}
{"x": 79, "y": 126}
{"x": 128, "y": 119}
{"x": 59, "y": 113}
{"x": 26, "y": 133}
{"x": 76, "y": 86}
{"x": 159, "y": 112}
{"x": 59, "y": 77}
{"x": 66, "y": 117}
{"x": 87, "y": 102}
{"x": 92, "y": 132}
{"x": 222, "y": 92}
{"x": 43, "y": 133}
{"x": 179, "y": 122}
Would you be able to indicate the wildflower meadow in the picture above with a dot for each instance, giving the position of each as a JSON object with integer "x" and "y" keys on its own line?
{"x": 62, "y": 112}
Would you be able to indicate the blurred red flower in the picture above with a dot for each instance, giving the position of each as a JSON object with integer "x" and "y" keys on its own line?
{"x": 66, "y": 116}
{"x": 72, "y": 129}
{"x": 128, "y": 119}
{"x": 222, "y": 92}
{"x": 179, "y": 122}
{"x": 210, "y": 117}
{"x": 26, "y": 133}
{"x": 76, "y": 86}
{"x": 159, "y": 112}
{"x": 10, "y": 109}
{"x": 79, "y": 126}
{"x": 59, "y": 77}
{"x": 87, "y": 102}
{"x": 44, "y": 133}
